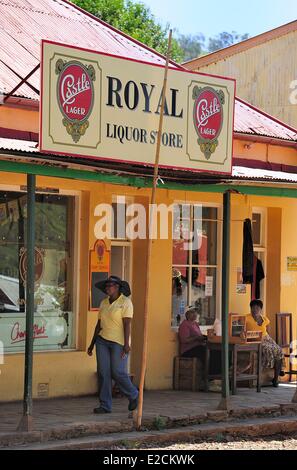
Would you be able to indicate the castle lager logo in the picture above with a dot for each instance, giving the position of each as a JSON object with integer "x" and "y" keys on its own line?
{"x": 75, "y": 95}
{"x": 208, "y": 117}
{"x": 38, "y": 263}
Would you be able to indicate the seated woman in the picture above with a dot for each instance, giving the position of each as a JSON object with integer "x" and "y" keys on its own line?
{"x": 272, "y": 355}
{"x": 191, "y": 339}
{"x": 192, "y": 342}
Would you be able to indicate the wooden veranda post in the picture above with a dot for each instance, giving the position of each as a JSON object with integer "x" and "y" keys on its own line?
{"x": 149, "y": 244}
{"x": 224, "y": 403}
{"x": 26, "y": 423}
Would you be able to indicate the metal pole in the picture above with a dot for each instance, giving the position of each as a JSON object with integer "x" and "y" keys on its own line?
{"x": 26, "y": 423}
{"x": 22, "y": 297}
{"x": 223, "y": 405}
{"x": 149, "y": 244}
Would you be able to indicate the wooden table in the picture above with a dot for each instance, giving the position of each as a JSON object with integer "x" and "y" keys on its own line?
{"x": 235, "y": 349}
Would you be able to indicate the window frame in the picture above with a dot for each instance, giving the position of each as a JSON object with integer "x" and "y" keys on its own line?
{"x": 76, "y": 261}
{"x": 128, "y": 200}
{"x": 218, "y": 265}
{"x": 125, "y": 244}
{"x": 262, "y": 246}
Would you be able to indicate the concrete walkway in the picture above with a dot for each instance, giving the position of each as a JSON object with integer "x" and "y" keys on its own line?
{"x": 66, "y": 413}
{"x": 250, "y": 429}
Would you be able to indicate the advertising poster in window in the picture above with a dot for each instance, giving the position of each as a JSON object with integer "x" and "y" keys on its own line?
{"x": 292, "y": 263}
{"x": 99, "y": 270}
{"x": 240, "y": 287}
{"x": 208, "y": 286}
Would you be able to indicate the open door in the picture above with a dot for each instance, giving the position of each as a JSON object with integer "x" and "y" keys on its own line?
{"x": 121, "y": 264}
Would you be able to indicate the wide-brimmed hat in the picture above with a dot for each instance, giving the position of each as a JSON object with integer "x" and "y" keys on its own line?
{"x": 124, "y": 285}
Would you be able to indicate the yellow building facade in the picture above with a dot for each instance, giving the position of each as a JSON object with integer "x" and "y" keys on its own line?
{"x": 71, "y": 372}
{"x": 69, "y": 191}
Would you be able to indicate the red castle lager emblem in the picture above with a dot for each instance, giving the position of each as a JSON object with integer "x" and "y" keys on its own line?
{"x": 38, "y": 263}
{"x": 208, "y": 117}
{"x": 75, "y": 95}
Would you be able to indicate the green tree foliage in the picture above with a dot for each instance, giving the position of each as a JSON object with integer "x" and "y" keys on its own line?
{"x": 134, "y": 19}
{"x": 192, "y": 45}
{"x": 224, "y": 40}
{"x": 109, "y": 11}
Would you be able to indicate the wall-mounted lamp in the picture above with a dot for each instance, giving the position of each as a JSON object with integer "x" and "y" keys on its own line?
{"x": 247, "y": 146}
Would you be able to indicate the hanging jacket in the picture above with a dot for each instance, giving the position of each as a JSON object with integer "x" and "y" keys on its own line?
{"x": 247, "y": 253}
{"x": 258, "y": 275}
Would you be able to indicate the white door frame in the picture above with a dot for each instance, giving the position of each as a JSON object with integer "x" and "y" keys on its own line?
{"x": 128, "y": 244}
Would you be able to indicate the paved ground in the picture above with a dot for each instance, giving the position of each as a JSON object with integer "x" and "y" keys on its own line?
{"x": 53, "y": 413}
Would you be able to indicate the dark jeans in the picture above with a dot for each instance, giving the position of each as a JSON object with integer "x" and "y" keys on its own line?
{"x": 112, "y": 366}
{"x": 215, "y": 360}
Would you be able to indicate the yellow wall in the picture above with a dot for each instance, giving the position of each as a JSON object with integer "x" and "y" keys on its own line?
{"x": 163, "y": 345}
{"x": 73, "y": 372}
{"x": 281, "y": 286}
{"x": 263, "y": 75}
{"x": 19, "y": 119}
{"x": 253, "y": 150}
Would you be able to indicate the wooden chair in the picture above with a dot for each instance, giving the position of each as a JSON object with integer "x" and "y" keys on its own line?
{"x": 284, "y": 338}
{"x": 187, "y": 373}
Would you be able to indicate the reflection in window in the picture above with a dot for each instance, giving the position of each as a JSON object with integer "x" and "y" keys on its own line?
{"x": 203, "y": 294}
{"x": 194, "y": 272}
{"x": 54, "y": 239}
{"x": 179, "y": 294}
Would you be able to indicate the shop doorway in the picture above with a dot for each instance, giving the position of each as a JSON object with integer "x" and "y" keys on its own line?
{"x": 121, "y": 265}
{"x": 121, "y": 260}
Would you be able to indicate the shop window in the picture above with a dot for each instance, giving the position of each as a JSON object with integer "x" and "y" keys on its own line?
{"x": 54, "y": 268}
{"x": 195, "y": 275}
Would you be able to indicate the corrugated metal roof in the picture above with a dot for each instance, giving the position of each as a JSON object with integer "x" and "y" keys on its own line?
{"x": 244, "y": 173}
{"x": 238, "y": 172}
{"x": 250, "y": 120}
{"x": 19, "y": 145}
{"x": 25, "y": 22}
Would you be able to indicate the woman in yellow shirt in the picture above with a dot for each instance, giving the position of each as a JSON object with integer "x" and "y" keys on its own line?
{"x": 272, "y": 355}
{"x": 112, "y": 340}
